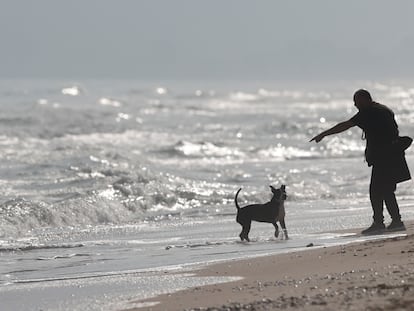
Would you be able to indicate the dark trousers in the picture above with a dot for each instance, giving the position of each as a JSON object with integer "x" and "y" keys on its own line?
{"x": 381, "y": 189}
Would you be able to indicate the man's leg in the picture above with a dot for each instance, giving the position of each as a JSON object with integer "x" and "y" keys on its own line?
{"x": 392, "y": 205}
{"x": 382, "y": 189}
{"x": 393, "y": 210}
{"x": 377, "y": 204}
{"x": 376, "y": 195}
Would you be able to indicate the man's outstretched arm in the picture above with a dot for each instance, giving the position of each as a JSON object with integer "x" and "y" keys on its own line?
{"x": 339, "y": 128}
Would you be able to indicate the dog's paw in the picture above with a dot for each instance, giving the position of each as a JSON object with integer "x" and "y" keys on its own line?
{"x": 244, "y": 238}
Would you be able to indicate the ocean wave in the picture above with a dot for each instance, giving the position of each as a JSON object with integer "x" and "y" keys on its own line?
{"x": 22, "y": 245}
{"x": 280, "y": 152}
{"x": 263, "y": 94}
{"x": 73, "y": 90}
{"x": 17, "y": 121}
{"x": 201, "y": 150}
{"x": 110, "y": 102}
{"x": 334, "y": 148}
{"x": 128, "y": 198}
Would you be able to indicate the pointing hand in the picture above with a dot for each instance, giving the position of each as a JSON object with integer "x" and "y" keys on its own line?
{"x": 317, "y": 138}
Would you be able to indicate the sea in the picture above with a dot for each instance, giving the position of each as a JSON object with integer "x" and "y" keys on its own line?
{"x": 113, "y": 191}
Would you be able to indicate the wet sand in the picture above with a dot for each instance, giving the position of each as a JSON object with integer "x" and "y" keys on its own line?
{"x": 373, "y": 275}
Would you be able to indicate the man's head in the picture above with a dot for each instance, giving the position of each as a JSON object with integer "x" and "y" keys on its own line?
{"x": 362, "y": 99}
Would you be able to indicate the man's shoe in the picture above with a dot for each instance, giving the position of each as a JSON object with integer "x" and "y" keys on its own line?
{"x": 396, "y": 226}
{"x": 374, "y": 229}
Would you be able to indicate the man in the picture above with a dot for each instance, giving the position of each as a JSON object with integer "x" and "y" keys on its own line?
{"x": 383, "y": 152}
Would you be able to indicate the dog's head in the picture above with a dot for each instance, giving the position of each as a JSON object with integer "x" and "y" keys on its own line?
{"x": 279, "y": 194}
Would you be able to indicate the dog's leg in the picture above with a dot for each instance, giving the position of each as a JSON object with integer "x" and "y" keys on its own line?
{"x": 282, "y": 223}
{"x": 241, "y": 235}
{"x": 244, "y": 235}
{"x": 276, "y": 229}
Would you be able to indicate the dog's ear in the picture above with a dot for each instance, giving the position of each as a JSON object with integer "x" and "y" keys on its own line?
{"x": 272, "y": 188}
{"x": 283, "y": 187}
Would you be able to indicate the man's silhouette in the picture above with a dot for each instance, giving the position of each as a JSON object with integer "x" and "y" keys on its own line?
{"x": 383, "y": 153}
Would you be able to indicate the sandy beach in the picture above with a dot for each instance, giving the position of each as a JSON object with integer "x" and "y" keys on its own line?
{"x": 373, "y": 275}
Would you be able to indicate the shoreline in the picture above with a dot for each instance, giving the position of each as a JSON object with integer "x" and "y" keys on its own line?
{"x": 376, "y": 275}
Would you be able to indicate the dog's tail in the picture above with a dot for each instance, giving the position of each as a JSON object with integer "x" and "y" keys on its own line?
{"x": 235, "y": 199}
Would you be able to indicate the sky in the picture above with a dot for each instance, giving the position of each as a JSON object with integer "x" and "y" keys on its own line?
{"x": 211, "y": 39}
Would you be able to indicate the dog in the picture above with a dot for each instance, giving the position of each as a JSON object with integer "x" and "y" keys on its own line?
{"x": 271, "y": 212}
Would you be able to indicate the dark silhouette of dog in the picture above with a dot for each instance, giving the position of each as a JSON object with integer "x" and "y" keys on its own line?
{"x": 271, "y": 212}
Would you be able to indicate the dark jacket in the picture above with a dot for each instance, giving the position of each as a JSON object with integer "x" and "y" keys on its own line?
{"x": 382, "y": 148}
